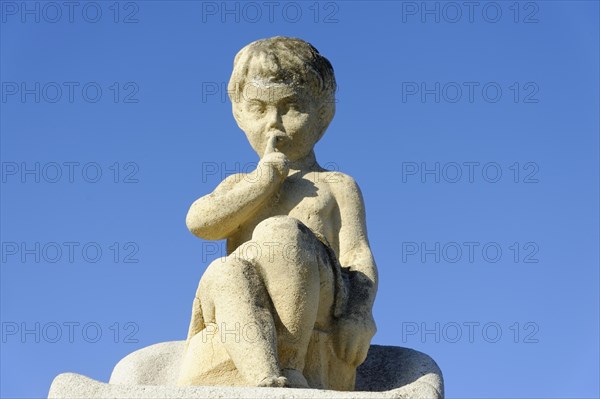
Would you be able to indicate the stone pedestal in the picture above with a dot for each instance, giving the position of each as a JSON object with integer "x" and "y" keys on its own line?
{"x": 151, "y": 372}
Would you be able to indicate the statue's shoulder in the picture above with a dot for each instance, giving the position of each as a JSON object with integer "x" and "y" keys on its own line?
{"x": 343, "y": 186}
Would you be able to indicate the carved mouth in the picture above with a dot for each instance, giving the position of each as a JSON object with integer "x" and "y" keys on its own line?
{"x": 280, "y": 138}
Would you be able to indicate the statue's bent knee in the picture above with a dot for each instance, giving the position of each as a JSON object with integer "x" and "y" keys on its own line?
{"x": 279, "y": 228}
{"x": 281, "y": 242}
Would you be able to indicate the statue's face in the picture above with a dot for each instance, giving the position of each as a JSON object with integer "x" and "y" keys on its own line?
{"x": 264, "y": 108}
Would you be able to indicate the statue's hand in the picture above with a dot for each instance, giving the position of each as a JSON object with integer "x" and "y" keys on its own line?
{"x": 353, "y": 338}
{"x": 274, "y": 162}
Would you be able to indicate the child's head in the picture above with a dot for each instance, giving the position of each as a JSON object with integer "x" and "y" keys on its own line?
{"x": 272, "y": 74}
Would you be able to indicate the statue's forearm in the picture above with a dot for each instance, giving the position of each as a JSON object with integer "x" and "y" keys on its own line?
{"x": 216, "y": 216}
{"x": 361, "y": 294}
{"x": 363, "y": 280}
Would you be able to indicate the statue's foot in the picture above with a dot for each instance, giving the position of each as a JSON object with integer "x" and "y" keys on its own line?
{"x": 274, "y": 382}
{"x": 295, "y": 378}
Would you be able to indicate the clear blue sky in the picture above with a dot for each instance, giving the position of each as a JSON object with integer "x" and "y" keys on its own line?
{"x": 492, "y": 269}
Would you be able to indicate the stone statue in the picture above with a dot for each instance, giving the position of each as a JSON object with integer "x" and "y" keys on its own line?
{"x": 299, "y": 277}
{"x": 291, "y": 303}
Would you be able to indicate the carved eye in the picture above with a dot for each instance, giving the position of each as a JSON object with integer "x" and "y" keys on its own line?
{"x": 256, "y": 107}
{"x": 292, "y": 107}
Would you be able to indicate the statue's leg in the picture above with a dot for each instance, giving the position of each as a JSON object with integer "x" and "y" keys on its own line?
{"x": 234, "y": 299}
{"x": 290, "y": 260}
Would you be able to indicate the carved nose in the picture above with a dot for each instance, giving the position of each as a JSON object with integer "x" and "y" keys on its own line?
{"x": 274, "y": 120}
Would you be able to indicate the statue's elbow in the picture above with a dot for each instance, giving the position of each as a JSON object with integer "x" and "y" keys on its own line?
{"x": 195, "y": 224}
{"x": 201, "y": 228}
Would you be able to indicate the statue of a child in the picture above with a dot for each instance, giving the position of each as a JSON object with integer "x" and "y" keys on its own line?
{"x": 291, "y": 303}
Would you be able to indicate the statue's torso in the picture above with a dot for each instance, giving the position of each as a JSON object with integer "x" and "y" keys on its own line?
{"x": 308, "y": 198}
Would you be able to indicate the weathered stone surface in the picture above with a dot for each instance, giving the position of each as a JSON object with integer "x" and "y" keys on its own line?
{"x": 299, "y": 272}
{"x": 151, "y": 372}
